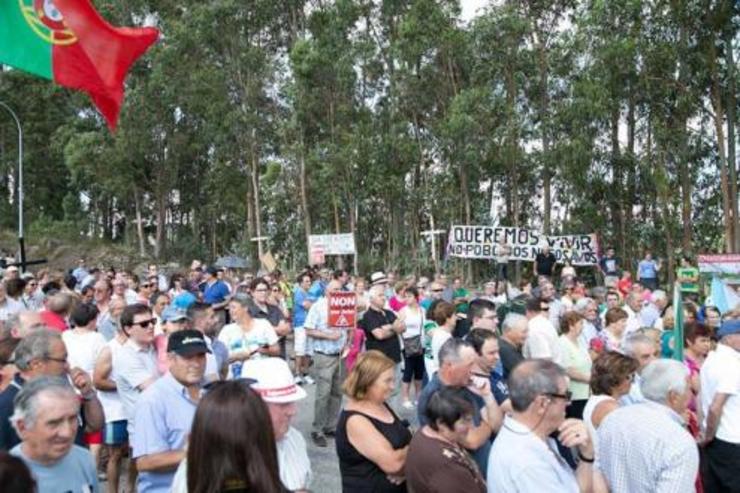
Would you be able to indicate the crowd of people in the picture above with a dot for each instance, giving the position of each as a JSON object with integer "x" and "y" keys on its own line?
{"x": 191, "y": 381}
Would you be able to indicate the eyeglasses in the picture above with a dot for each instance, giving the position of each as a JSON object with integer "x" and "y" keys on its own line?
{"x": 545, "y": 308}
{"x": 146, "y": 285}
{"x": 57, "y": 360}
{"x": 566, "y": 396}
{"x": 437, "y": 290}
{"x": 144, "y": 324}
{"x": 260, "y": 290}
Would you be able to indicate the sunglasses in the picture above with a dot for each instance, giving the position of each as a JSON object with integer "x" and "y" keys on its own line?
{"x": 146, "y": 285}
{"x": 145, "y": 324}
{"x": 437, "y": 290}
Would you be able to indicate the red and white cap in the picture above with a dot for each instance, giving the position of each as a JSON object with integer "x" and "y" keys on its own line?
{"x": 273, "y": 380}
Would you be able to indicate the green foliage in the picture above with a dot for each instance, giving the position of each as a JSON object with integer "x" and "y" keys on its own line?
{"x": 402, "y": 115}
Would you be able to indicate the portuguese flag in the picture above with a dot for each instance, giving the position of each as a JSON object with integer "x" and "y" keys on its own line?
{"x": 68, "y": 42}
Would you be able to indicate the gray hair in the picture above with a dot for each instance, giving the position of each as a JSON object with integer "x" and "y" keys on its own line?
{"x": 243, "y": 299}
{"x": 531, "y": 378}
{"x": 632, "y": 296}
{"x": 25, "y": 403}
{"x": 35, "y": 346}
{"x": 661, "y": 377}
{"x": 582, "y": 305}
{"x": 511, "y": 321}
{"x": 450, "y": 350}
{"x": 635, "y": 340}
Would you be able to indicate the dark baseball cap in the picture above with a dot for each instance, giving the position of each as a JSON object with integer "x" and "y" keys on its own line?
{"x": 187, "y": 343}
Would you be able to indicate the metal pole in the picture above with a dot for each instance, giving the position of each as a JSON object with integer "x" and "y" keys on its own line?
{"x": 20, "y": 184}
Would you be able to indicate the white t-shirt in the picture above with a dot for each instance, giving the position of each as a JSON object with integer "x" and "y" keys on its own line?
{"x": 83, "y": 348}
{"x": 720, "y": 373}
{"x": 295, "y": 468}
{"x": 236, "y": 340}
{"x": 542, "y": 340}
{"x": 414, "y": 321}
{"x": 439, "y": 337}
{"x": 109, "y": 399}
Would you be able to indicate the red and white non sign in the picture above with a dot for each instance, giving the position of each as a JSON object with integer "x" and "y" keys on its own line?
{"x": 342, "y": 310}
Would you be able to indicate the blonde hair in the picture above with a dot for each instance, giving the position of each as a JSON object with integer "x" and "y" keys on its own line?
{"x": 368, "y": 368}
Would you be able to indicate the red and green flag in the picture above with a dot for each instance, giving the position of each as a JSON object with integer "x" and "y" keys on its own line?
{"x": 68, "y": 42}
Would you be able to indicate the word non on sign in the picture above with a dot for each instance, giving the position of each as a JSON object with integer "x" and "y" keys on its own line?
{"x": 342, "y": 310}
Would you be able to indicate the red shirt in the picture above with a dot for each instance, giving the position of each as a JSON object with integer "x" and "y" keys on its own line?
{"x": 53, "y": 320}
{"x": 624, "y": 286}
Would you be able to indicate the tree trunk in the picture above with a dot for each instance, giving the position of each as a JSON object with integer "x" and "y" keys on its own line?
{"x": 544, "y": 129}
{"x": 304, "y": 189}
{"x": 731, "y": 153}
{"x": 619, "y": 213}
{"x": 511, "y": 154}
{"x": 718, "y": 113}
{"x": 161, "y": 224}
{"x": 139, "y": 225}
{"x": 632, "y": 249}
{"x": 256, "y": 190}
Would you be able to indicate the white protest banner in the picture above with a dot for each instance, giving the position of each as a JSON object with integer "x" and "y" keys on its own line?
{"x": 483, "y": 242}
{"x": 340, "y": 244}
{"x": 720, "y": 264}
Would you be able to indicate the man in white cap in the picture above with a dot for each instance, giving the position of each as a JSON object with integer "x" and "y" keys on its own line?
{"x": 274, "y": 382}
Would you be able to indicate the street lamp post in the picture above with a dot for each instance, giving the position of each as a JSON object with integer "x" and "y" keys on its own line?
{"x": 20, "y": 184}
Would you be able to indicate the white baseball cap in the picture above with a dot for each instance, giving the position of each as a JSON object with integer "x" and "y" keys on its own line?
{"x": 273, "y": 380}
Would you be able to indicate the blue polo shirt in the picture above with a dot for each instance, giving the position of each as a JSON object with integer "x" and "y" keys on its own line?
{"x": 164, "y": 415}
{"x": 299, "y": 311}
{"x": 215, "y": 293}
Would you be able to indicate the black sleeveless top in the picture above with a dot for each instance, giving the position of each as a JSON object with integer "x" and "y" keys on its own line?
{"x": 359, "y": 474}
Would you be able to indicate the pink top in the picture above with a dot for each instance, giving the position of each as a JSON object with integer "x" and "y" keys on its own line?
{"x": 358, "y": 343}
{"x": 160, "y": 344}
{"x": 694, "y": 369}
{"x": 396, "y": 304}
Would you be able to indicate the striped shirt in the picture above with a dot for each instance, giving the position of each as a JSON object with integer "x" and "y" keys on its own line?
{"x": 645, "y": 448}
{"x": 318, "y": 319}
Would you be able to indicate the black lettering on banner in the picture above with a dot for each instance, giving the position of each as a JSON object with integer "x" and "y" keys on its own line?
{"x": 534, "y": 238}
{"x": 458, "y": 234}
{"x": 477, "y": 234}
{"x": 510, "y": 236}
{"x": 522, "y": 236}
{"x": 586, "y": 243}
{"x": 488, "y": 234}
{"x": 497, "y": 233}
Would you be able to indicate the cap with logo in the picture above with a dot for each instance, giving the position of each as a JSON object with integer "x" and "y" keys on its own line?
{"x": 187, "y": 343}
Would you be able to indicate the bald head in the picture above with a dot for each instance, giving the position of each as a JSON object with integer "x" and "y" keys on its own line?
{"x": 532, "y": 378}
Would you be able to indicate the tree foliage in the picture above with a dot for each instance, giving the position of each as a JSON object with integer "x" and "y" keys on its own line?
{"x": 387, "y": 118}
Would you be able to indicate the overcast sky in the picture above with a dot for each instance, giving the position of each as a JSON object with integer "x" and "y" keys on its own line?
{"x": 469, "y": 7}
